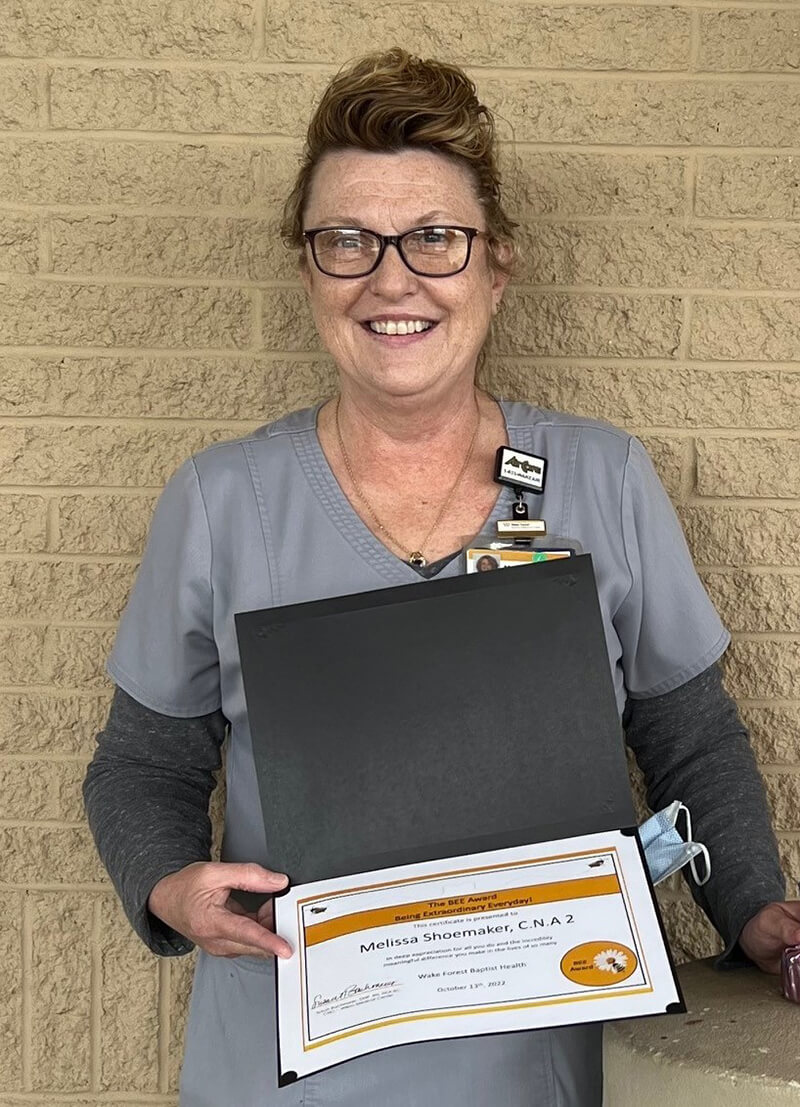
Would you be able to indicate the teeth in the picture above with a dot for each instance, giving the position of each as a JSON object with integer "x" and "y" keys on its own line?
{"x": 402, "y": 326}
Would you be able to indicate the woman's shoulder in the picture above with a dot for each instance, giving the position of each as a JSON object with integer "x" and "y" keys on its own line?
{"x": 230, "y": 454}
{"x": 520, "y": 414}
{"x": 595, "y": 441}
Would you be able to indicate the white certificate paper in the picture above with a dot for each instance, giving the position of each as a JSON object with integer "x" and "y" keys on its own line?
{"x": 513, "y": 939}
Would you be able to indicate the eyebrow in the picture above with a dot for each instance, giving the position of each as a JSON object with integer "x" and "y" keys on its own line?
{"x": 426, "y": 220}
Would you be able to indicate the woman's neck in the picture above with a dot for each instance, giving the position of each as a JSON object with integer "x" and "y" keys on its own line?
{"x": 407, "y": 425}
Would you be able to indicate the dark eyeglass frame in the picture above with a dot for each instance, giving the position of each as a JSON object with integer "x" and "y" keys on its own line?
{"x": 395, "y": 240}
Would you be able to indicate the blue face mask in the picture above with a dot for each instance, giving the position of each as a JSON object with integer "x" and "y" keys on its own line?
{"x": 666, "y": 851}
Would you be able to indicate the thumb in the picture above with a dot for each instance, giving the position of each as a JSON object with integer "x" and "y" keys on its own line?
{"x": 247, "y": 876}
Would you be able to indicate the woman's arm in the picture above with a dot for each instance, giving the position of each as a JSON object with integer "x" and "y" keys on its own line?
{"x": 692, "y": 745}
{"x": 146, "y": 793}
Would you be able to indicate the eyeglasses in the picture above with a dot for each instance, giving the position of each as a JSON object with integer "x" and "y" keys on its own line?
{"x": 355, "y": 252}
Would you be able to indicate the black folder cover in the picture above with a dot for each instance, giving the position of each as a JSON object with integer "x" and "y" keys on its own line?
{"x": 434, "y": 719}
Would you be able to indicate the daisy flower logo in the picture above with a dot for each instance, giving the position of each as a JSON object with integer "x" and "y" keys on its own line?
{"x": 611, "y": 960}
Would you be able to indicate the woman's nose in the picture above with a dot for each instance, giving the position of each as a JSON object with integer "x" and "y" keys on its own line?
{"x": 392, "y": 278}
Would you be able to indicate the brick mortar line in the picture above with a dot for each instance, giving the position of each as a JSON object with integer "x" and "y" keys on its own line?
{"x": 684, "y": 343}
{"x": 770, "y": 570}
{"x": 269, "y": 356}
{"x": 762, "y": 704}
{"x": 60, "y": 1099}
{"x": 164, "y": 1028}
{"x": 250, "y": 213}
{"x": 75, "y": 557}
{"x": 80, "y": 489}
{"x": 43, "y": 95}
{"x": 56, "y": 350}
{"x": 259, "y": 45}
{"x": 743, "y": 222}
{"x": 212, "y": 284}
{"x": 122, "y": 209}
{"x": 54, "y": 690}
{"x": 257, "y": 318}
{"x": 694, "y": 40}
{"x": 722, "y": 433}
{"x": 280, "y": 68}
{"x": 750, "y": 567}
{"x": 789, "y": 503}
{"x": 57, "y": 889}
{"x": 95, "y": 1000}
{"x": 665, "y": 292}
{"x": 174, "y": 422}
{"x": 34, "y": 759}
{"x": 262, "y": 140}
{"x": 689, "y": 469}
{"x": 48, "y": 623}
{"x": 690, "y": 181}
{"x": 27, "y": 993}
{"x": 39, "y": 824}
{"x": 793, "y": 637}
{"x": 32, "y": 422}
{"x": 46, "y": 245}
{"x": 51, "y": 527}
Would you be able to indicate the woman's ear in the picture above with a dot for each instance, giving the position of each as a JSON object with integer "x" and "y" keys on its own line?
{"x": 501, "y": 260}
{"x": 305, "y": 273}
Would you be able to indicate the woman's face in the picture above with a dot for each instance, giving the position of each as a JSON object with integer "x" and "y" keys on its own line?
{"x": 393, "y": 193}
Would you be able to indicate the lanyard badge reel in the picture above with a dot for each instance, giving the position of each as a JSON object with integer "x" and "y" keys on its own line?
{"x": 519, "y": 540}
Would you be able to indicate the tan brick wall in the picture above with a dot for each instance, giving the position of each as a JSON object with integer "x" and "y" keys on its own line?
{"x": 148, "y": 309}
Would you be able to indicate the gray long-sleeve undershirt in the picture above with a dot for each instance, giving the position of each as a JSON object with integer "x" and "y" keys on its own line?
{"x": 147, "y": 792}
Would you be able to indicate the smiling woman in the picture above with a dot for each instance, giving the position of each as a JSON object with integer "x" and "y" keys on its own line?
{"x": 405, "y": 252}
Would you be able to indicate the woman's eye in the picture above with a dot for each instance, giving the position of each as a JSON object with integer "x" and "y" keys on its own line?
{"x": 348, "y": 242}
{"x": 434, "y": 238}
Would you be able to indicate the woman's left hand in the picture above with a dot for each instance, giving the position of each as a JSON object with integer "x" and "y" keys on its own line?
{"x": 767, "y": 934}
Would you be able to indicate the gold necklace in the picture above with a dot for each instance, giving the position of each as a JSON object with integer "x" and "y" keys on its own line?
{"x": 415, "y": 557}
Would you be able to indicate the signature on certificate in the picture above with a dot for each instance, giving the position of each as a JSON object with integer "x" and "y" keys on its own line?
{"x": 351, "y": 991}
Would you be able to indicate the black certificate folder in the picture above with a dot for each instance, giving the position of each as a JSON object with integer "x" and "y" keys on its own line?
{"x": 434, "y": 720}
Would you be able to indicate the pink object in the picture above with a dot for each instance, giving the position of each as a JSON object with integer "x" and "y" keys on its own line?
{"x": 790, "y": 973}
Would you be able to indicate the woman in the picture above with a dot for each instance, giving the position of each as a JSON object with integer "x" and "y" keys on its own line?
{"x": 405, "y": 253}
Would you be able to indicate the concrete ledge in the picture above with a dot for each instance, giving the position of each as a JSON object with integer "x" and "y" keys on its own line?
{"x": 738, "y": 1045}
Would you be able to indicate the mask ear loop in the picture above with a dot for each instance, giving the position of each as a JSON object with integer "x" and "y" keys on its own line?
{"x": 700, "y": 846}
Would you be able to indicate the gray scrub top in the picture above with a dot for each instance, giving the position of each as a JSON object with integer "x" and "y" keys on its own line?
{"x": 261, "y": 522}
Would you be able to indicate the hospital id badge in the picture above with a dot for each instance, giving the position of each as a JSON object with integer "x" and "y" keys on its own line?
{"x": 482, "y": 559}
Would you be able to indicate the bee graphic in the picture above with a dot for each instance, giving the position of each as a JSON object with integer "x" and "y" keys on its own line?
{"x": 596, "y": 864}
{"x": 317, "y": 910}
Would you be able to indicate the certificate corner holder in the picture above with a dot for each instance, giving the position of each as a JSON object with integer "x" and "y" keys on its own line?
{"x": 678, "y": 1007}
{"x": 287, "y": 1078}
{"x": 628, "y": 831}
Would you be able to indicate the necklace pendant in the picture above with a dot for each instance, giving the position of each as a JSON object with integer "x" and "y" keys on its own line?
{"x": 417, "y": 560}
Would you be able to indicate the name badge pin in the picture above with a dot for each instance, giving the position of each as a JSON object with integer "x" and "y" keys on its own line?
{"x": 521, "y": 528}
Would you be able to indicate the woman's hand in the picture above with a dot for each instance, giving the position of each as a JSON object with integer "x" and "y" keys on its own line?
{"x": 766, "y": 935}
{"x": 196, "y": 901}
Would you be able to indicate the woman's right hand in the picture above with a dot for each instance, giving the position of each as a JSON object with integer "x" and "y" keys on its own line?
{"x": 196, "y": 901}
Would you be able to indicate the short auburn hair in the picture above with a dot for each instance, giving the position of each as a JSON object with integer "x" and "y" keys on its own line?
{"x": 393, "y": 101}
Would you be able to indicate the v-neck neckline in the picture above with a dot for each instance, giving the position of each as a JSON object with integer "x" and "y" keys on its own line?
{"x": 350, "y": 524}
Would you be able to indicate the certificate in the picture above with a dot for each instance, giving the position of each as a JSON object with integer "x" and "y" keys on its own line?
{"x": 512, "y": 939}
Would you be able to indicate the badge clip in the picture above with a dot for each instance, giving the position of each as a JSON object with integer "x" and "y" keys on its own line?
{"x": 521, "y": 528}
{"x": 519, "y": 509}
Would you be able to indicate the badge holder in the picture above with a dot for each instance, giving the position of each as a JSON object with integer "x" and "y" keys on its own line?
{"x": 519, "y": 540}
